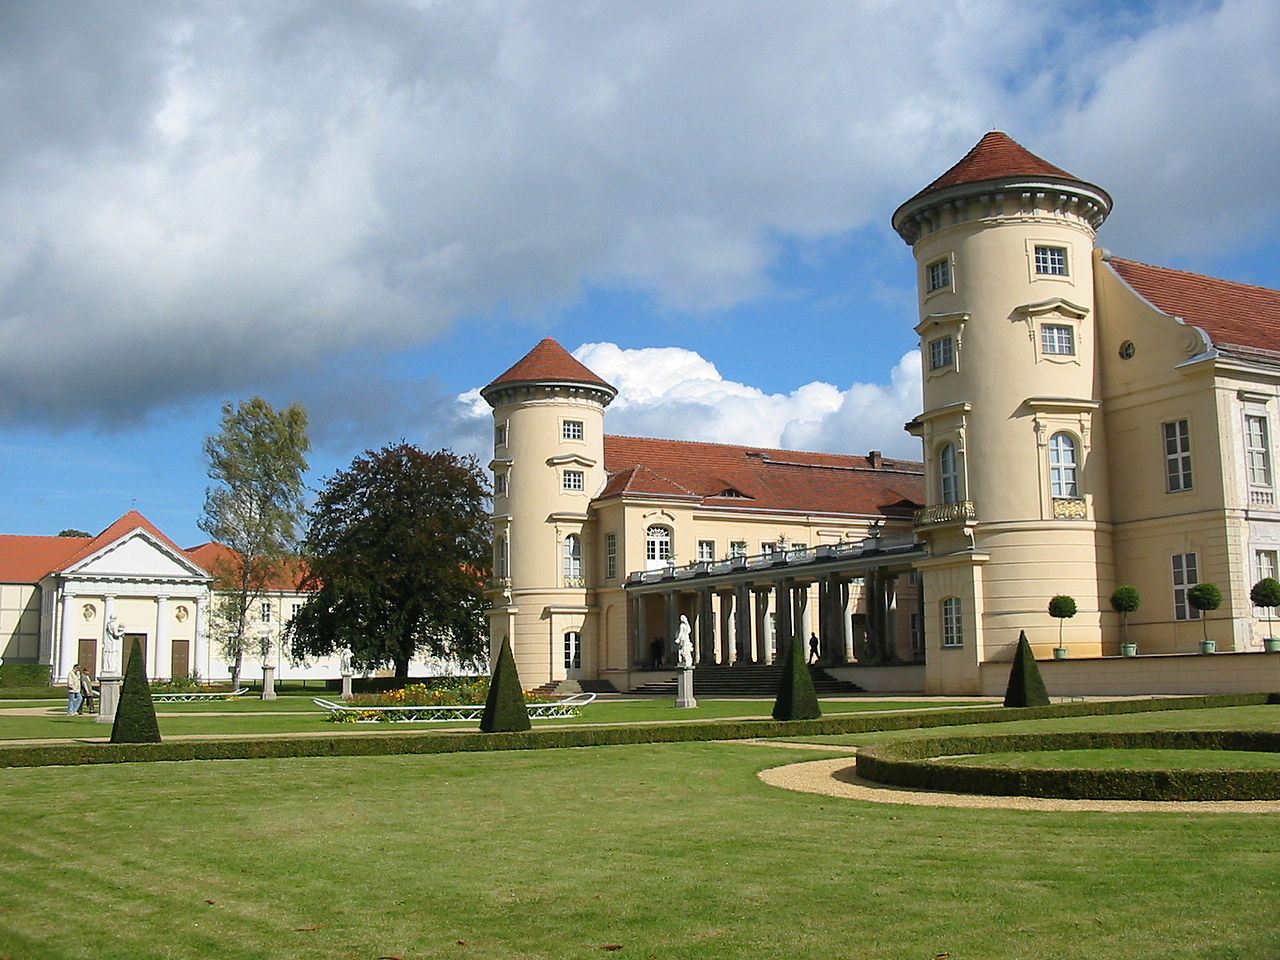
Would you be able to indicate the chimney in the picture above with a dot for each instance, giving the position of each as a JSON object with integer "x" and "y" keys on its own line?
{"x": 875, "y": 460}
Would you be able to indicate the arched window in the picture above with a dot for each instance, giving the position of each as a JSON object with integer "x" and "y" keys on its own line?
{"x": 572, "y": 561}
{"x": 952, "y": 629}
{"x": 657, "y": 546}
{"x": 948, "y": 474}
{"x": 1063, "y": 466}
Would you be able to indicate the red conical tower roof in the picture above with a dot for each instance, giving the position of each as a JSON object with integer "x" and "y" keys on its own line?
{"x": 549, "y": 362}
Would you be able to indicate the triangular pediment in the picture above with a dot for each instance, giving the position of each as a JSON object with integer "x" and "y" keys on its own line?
{"x": 136, "y": 555}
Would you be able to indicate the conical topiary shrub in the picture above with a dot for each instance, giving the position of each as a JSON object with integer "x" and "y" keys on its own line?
{"x": 135, "y": 713}
{"x": 504, "y": 708}
{"x": 1026, "y": 686}
{"x": 797, "y": 699}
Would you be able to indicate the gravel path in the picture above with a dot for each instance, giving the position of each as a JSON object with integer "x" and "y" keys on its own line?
{"x": 835, "y": 778}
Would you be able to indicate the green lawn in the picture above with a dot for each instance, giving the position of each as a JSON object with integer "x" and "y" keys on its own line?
{"x": 296, "y": 715}
{"x": 668, "y": 851}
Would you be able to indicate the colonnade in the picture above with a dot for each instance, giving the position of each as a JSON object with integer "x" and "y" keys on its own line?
{"x": 734, "y": 620}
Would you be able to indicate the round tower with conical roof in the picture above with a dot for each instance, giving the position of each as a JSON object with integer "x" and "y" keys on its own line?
{"x": 1011, "y": 426}
{"x": 548, "y": 462}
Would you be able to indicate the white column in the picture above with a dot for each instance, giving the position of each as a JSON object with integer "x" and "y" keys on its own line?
{"x": 68, "y": 647}
{"x": 200, "y": 651}
{"x": 161, "y": 644}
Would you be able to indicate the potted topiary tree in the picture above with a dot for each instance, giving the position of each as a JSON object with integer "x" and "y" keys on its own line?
{"x": 1205, "y": 597}
{"x": 1061, "y": 608}
{"x": 1266, "y": 594}
{"x": 1124, "y": 601}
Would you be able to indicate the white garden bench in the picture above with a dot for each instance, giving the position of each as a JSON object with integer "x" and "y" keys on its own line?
{"x": 197, "y": 697}
{"x": 568, "y": 707}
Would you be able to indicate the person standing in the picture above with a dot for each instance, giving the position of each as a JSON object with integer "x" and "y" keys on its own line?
{"x": 86, "y": 691}
{"x": 74, "y": 695}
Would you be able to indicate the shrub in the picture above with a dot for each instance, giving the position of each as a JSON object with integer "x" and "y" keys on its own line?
{"x": 135, "y": 714}
{"x": 797, "y": 700}
{"x": 504, "y": 708}
{"x": 1026, "y": 686}
{"x": 179, "y": 684}
{"x": 1061, "y": 608}
{"x": 25, "y": 675}
{"x": 1266, "y": 594}
{"x": 1124, "y": 601}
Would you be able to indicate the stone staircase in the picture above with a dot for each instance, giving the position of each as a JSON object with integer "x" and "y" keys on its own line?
{"x": 567, "y": 688}
{"x": 748, "y": 680}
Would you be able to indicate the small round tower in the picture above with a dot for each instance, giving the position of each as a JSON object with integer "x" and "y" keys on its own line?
{"x": 548, "y": 462}
{"x": 1011, "y": 427}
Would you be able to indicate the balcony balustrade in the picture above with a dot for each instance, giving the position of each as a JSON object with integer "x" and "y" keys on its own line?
{"x": 945, "y": 513}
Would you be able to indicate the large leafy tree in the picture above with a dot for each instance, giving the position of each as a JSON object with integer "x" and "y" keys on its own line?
{"x": 398, "y": 546}
{"x": 257, "y": 461}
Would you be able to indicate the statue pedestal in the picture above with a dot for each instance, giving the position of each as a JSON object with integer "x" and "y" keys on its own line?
{"x": 268, "y": 682}
{"x": 346, "y": 686}
{"x": 684, "y": 689}
{"x": 108, "y": 698}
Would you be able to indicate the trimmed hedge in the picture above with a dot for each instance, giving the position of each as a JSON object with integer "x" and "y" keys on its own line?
{"x": 25, "y": 675}
{"x": 391, "y": 742}
{"x": 918, "y": 763}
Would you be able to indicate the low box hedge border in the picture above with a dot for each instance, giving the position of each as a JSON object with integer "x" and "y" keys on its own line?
{"x": 919, "y": 764}
{"x": 391, "y": 742}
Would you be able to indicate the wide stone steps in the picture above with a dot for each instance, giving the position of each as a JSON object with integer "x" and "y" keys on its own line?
{"x": 751, "y": 680}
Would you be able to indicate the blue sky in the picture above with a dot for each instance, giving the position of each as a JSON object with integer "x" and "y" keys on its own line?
{"x": 373, "y": 207}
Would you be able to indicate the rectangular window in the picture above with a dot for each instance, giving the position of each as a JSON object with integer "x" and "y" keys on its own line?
{"x": 1051, "y": 261}
{"x": 1264, "y": 564}
{"x": 574, "y": 480}
{"x": 1185, "y": 576}
{"x": 1058, "y": 339}
{"x": 610, "y": 555}
{"x": 500, "y": 434}
{"x": 737, "y": 548}
{"x": 952, "y": 629}
{"x": 265, "y": 611}
{"x": 1177, "y": 455}
{"x": 572, "y": 430}
{"x": 501, "y": 563}
{"x": 939, "y": 274}
{"x": 706, "y": 550}
{"x": 769, "y": 547}
{"x": 297, "y": 607}
{"x": 940, "y": 353}
{"x": 500, "y": 484}
{"x": 1257, "y": 451}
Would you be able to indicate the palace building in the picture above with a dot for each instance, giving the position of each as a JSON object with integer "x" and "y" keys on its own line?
{"x": 1088, "y": 422}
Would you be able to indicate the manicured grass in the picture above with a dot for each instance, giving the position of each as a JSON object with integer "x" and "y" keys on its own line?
{"x": 1137, "y": 759}
{"x": 668, "y": 851}
{"x": 293, "y": 715}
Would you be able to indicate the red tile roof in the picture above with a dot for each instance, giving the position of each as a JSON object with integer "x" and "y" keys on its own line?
{"x": 1232, "y": 314}
{"x": 549, "y": 361}
{"x": 995, "y": 157}
{"x": 218, "y": 558}
{"x": 760, "y": 479}
{"x": 26, "y": 559}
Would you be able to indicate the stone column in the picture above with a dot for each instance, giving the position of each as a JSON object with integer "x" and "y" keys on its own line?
{"x": 68, "y": 648}
{"x": 671, "y": 626}
{"x": 742, "y": 653}
{"x": 641, "y": 635}
{"x": 200, "y": 647}
{"x": 706, "y": 628}
{"x": 800, "y": 618}
{"x": 763, "y": 635}
{"x": 784, "y": 631}
{"x": 161, "y": 643}
{"x": 845, "y": 610}
{"x": 891, "y": 617}
{"x": 725, "y": 599}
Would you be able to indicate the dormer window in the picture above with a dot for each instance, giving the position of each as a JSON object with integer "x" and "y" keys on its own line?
{"x": 730, "y": 492}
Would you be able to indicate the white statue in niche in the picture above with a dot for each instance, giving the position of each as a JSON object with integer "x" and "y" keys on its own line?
{"x": 684, "y": 645}
{"x": 111, "y": 646}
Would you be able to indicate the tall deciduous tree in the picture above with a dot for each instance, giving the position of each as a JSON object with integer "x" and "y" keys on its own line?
{"x": 398, "y": 546}
{"x": 257, "y": 461}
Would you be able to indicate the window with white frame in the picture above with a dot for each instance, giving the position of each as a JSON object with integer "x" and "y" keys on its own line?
{"x": 573, "y": 650}
{"x": 952, "y": 628}
{"x": 610, "y": 555}
{"x": 948, "y": 474}
{"x": 770, "y": 548}
{"x": 500, "y": 434}
{"x": 941, "y": 353}
{"x": 1264, "y": 564}
{"x": 938, "y": 275}
{"x": 706, "y": 550}
{"x": 1177, "y": 456}
{"x": 1058, "y": 339}
{"x": 501, "y": 563}
{"x": 1051, "y": 261}
{"x": 574, "y": 480}
{"x": 571, "y": 430}
{"x": 264, "y": 611}
{"x": 572, "y": 560}
{"x": 657, "y": 543}
{"x": 1257, "y": 452}
{"x": 297, "y": 607}
{"x": 500, "y": 484}
{"x": 1185, "y": 576}
{"x": 737, "y": 548}
{"x": 1063, "y": 469}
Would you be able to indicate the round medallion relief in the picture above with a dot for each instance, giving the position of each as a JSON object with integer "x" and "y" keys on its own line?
{"x": 1127, "y": 350}
{"x": 181, "y": 614}
{"x": 88, "y": 611}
